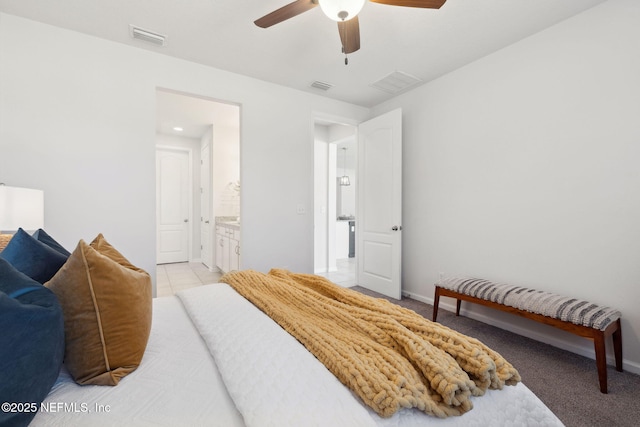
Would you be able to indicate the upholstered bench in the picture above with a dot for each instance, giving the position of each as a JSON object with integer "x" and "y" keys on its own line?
{"x": 570, "y": 314}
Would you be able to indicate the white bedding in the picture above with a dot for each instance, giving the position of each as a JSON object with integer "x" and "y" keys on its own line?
{"x": 177, "y": 384}
{"x": 211, "y": 351}
{"x": 275, "y": 381}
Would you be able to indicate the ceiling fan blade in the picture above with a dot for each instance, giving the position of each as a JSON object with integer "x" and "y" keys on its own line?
{"x": 285, "y": 12}
{"x": 350, "y": 34}
{"x": 428, "y": 4}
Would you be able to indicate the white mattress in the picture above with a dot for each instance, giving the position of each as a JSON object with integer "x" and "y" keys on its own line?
{"x": 177, "y": 384}
{"x": 221, "y": 354}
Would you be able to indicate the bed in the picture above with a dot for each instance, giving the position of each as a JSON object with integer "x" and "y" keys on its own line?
{"x": 214, "y": 359}
{"x": 84, "y": 344}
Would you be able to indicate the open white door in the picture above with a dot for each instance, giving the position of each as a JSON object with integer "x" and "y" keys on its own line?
{"x": 206, "y": 228}
{"x": 173, "y": 195}
{"x": 379, "y": 229}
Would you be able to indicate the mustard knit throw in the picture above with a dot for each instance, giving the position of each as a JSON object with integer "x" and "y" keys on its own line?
{"x": 390, "y": 356}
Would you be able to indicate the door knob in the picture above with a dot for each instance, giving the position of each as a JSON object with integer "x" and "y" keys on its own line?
{"x": 396, "y": 228}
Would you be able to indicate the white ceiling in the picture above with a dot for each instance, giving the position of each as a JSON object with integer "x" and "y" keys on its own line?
{"x": 194, "y": 115}
{"x": 424, "y": 43}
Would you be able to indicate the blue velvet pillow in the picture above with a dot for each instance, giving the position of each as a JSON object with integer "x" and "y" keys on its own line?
{"x": 32, "y": 257}
{"x": 31, "y": 343}
{"x": 43, "y": 237}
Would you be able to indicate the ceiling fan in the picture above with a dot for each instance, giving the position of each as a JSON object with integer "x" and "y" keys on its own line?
{"x": 345, "y": 12}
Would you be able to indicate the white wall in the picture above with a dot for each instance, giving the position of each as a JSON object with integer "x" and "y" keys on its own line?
{"x": 523, "y": 168}
{"x": 77, "y": 119}
{"x": 225, "y": 170}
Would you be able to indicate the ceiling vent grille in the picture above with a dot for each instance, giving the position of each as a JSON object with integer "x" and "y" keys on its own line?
{"x": 147, "y": 36}
{"x": 321, "y": 85}
{"x": 396, "y": 82}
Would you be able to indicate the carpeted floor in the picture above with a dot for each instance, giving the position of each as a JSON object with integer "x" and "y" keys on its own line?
{"x": 566, "y": 382}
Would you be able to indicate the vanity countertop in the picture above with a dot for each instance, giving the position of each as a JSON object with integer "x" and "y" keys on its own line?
{"x": 228, "y": 221}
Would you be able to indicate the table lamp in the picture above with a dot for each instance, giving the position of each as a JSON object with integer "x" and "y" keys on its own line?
{"x": 21, "y": 207}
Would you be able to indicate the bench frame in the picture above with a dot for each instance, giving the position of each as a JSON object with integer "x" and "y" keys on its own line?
{"x": 598, "y": 336}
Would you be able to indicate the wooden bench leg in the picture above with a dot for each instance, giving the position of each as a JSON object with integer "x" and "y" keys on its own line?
{"x": 599, "y": 340}
{"x": 617, "y": 346}
{"x": 601, "y": 360}
{"x": 436, "y": 301}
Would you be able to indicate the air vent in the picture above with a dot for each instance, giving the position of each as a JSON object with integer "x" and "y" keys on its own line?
{"x": 321, "y": 85}
{"x": 147, "y": 36}
{"x": 396, "y": 82}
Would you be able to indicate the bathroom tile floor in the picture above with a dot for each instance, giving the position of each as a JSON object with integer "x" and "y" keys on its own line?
{"x": 172, "y": 278}
{"x": 345, "y": 275}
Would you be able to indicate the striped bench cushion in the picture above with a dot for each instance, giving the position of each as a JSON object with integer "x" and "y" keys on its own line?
{"x": 577, "y": 311}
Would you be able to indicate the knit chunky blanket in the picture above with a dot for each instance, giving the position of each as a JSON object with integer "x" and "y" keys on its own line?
{"x": 389, "y": 356}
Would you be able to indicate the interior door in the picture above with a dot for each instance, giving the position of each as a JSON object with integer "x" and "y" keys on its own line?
{"x": 379, "y": 234}
{"x": 206, "y": 228}
{"x": 173, "y": 194}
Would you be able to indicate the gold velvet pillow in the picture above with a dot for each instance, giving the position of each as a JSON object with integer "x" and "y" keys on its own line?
{"x": 4, "y": 240}
{"x": 106, "y": 303}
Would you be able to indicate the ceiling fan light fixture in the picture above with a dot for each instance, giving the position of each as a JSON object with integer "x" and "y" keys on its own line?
{"x": 341, "y": 10}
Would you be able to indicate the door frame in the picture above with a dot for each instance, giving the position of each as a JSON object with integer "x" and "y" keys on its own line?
{"x": 189, "y": 152}
{"x": 210, "y": 261}
{"x": 321, "y": 118}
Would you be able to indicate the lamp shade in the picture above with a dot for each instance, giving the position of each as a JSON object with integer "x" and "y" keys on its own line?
{"x": 341, "y": 10}
{"x": 21, "y": 207}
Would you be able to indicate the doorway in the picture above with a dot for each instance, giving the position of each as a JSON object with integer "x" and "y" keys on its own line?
{"x": 378, "y": 216}
{"x": 335, "y": 183}
{"x": 207, "y": 133}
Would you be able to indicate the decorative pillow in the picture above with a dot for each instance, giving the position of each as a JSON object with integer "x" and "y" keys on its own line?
{"x": 106, "y": 303}
{"x": 32, "y": 257}
{"x": 31, "y": 343}
{"x": 41, "y": 236}
{"x": 4, "y": 240}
